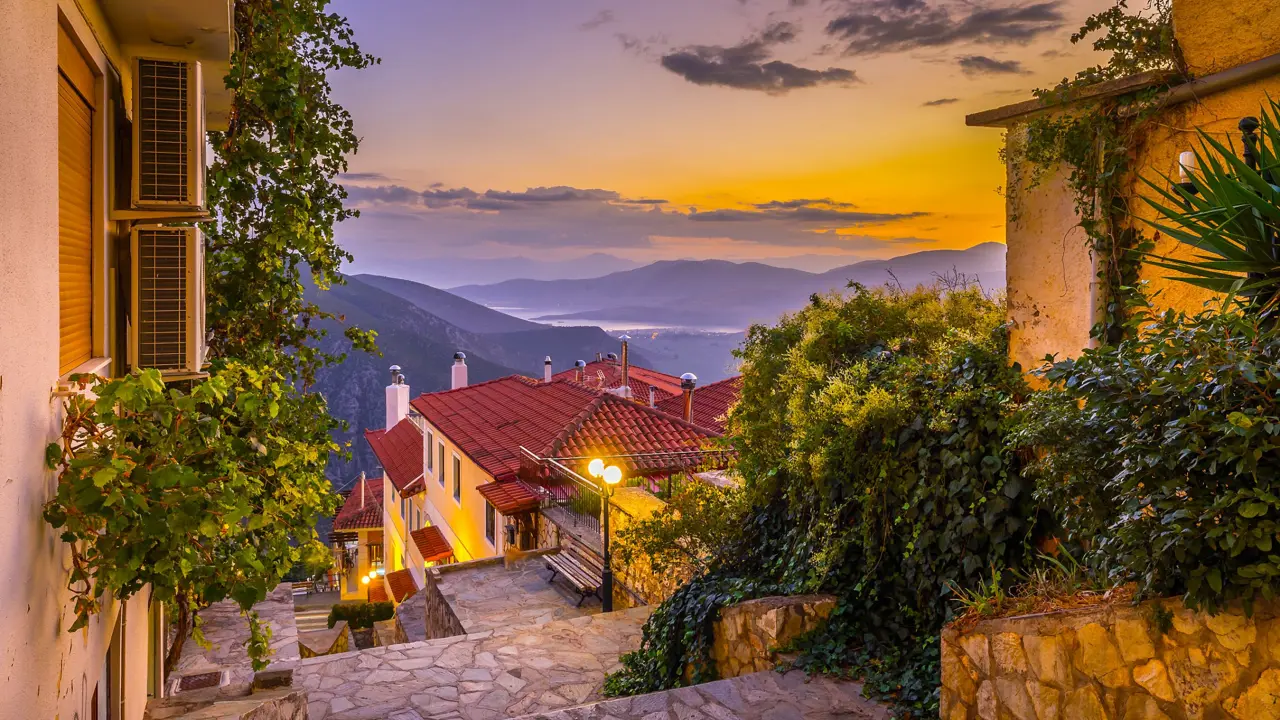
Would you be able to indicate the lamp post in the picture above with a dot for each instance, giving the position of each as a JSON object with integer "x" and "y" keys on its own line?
{"x": 612, "y": 475}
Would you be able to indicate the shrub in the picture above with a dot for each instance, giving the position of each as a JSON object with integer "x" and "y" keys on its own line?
{"x": 870, "y": 436}
{"x": 1159, "y": 454}
{"x": 361, "y": 616}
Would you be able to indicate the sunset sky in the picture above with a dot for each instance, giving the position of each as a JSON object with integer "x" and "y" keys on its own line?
{"x": 663, "y": 129}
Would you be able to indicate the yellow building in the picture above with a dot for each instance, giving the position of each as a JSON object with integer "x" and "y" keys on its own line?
{"x": 82, "y": 83}
{"x": 1232, "y": 50}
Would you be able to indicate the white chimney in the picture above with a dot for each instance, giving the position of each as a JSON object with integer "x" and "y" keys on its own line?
{"x": 598, "y": 358}
{"x": 362, "y": 483}
{"x": 688, "y": 382}
{"x": 653, "y": 396}
{"x": 546, "y": 369}
{"x": 397, "y": 398}
{"x": 459, "y": 370}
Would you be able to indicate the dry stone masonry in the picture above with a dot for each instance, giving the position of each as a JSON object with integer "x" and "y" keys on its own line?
{"x": 1114, "y": 663}
{"x": 748, "y": 635}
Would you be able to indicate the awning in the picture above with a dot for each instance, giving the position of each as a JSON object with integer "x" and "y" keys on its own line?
{"x": 512, "y": 497}
{"x": 431, "y": 544}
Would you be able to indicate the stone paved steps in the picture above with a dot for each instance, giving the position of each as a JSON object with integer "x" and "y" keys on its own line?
{"x": 484, "y": 676}
{"x": 758, "y": 696}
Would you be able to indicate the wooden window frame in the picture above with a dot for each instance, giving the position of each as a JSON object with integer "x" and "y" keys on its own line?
{"x": 491, "y": 524}
{"x": 457, "y": 479}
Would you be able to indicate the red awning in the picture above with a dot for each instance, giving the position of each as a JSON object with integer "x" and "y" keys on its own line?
{"x": 431, "y": 544}
{"x": 511, "y": 498}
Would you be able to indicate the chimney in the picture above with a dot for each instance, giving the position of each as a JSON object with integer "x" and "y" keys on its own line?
{"x": 598, "y": 358}
{"x": 459, "y": 370}
{"x": 580, "y": 367}
{"x": 397, "y": 398}
{"x": 361, "y": 481}
{"x": 653, "y": 396}
{"x": 546, "y": 369}
{"x": 688, "y": 382}
{"x": 626, "y": 368}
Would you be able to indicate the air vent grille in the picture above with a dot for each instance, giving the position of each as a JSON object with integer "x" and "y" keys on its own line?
{"x": 162, "y": 299}
{"x": 164, "y": 132}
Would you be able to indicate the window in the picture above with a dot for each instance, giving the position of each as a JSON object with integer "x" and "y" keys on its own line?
{"x": 75, "y": 206}
{"x": 404, "y": 509}
{"x": 457, "y": 479}
{"x": 441, "y": 446}
{"x": 431, "y": 440}
{"x": 490, "y": 523}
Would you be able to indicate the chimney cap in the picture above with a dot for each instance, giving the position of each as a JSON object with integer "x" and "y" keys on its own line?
{"x": 395, "y": 368}
{"x": 624, "y": 337}
{"x": 580, "y": 364}
{"x": 612, "y": 356}
{"x": 459, "y": 356}
{"x": 547, "y": 361}
{"x": 688, "y": 381}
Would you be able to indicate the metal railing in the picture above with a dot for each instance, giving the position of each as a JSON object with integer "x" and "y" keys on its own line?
{"x": 567, "y": 498}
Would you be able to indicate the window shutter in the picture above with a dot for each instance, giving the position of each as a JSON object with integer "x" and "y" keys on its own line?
{"x": 75, "y": 208}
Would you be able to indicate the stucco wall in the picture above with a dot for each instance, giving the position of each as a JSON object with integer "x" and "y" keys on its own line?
{"x": 1114, "y": 662}
{"x": 46, "y": 672}
{"x": 464, "y": 522}
{"x": 1216, "y": 35}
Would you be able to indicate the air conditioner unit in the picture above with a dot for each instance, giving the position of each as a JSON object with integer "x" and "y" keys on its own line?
{"x": 168, "y": 137}
{"x": 167, "y": 306}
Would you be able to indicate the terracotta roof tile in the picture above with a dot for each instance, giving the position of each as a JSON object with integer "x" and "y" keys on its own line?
{"x": 511, "y": 497}
{"x": 613, "y": 426}
{"x": 607, "y": 374}
{"x": 361, "y": 511}
{"x": 403, "y": 586}
{"x": 710, "y": 403}
{"x": 399, "y": 450}
{"x": 431, "y": 544}
{"x": 378, "y": 591}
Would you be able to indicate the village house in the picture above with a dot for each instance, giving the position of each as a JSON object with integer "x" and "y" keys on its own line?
{"x": 477, "y": 470}
{"x": 102, "y": 149}
{"x": 1233, "y": 53}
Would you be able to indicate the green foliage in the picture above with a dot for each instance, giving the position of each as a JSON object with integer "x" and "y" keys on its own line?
{"x": 697, "y": 522}
{"x": 197, "y": 494}
{"x": 870, "y": 436}
{"x": 1231, "y": 221}
{"x": 1095, "y": 140}
{"x": 361, "y": 616}
{"x": 1159, "y": 454}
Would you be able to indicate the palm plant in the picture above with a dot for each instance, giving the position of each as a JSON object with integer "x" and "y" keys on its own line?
{"x": 1228, "y": 209}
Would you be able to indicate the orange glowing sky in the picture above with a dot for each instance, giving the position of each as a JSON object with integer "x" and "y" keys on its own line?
{"x": 708, "y": 105}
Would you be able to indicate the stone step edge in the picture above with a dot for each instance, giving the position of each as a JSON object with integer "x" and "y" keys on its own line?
{"x": 551, "y": 626}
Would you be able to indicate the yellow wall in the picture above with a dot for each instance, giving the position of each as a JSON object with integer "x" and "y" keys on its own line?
{"x": 464, "y": 525}
{"x": 1050, "y": 271}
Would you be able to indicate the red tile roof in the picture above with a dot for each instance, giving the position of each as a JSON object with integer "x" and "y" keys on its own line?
{"x": 612, "y": 426}
{"x": 490, "y": 421}
{"x": 710, "y": 403}
{"x": 607, "y": 374}
{"x": 377, "y": 591}
{"x": 400, "y": 452}
{"x": 511, "y": 497}
{"x": 431, "y": 544}
{"x": 361, "y": 511}
{"x": 403, "y": 586}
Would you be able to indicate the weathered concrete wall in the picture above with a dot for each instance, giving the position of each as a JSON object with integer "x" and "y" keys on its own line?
{"x": 748, "y": 635}
{"x": 1112, "y": 662}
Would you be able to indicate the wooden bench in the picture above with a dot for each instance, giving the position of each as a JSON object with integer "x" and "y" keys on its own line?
{"x": 303, "y": 588}
{"x": 583, "y": 573}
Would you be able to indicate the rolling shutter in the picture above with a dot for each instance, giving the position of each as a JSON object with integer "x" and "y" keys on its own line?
{"x": 75, "y": 207}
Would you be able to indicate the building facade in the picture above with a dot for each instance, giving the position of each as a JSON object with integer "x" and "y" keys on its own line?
{"x": 70, "y": 98}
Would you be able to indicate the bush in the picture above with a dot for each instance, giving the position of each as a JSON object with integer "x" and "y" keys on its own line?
{"x": 361, "y": 616}
{"x": 871, "y": 440}
{"x": 1159, "y": 454}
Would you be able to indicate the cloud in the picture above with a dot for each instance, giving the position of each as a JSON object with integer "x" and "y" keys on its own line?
{"x": 604, "y": 17}
{"x": 805, "y": 214}
{"x": 983, "y": 65}
{"x": 869, "y": 27}
{"x": 799, "y": 203}
{"x": 552, "y": 194}
{"x": 747, "y": 65}
{"x": 363, "y": 177}
{"x": 940, "y": 101}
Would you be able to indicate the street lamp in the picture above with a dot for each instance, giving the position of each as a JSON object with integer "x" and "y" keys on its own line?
{"x": 612, "y": 475}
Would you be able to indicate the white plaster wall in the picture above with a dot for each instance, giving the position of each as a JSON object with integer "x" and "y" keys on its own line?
{"x": 45, "y": 672}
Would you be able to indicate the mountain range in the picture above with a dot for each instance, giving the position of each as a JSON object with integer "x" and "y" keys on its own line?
{"x": 722, "y": 294}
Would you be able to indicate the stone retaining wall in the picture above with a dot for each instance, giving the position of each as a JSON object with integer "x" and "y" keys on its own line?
{"x": 747, "y": 635}
{"x": 439, "y": 620}
{"x": 1113, "y": 662}
{"x": 627, "y": 506}
{"x": 332, "y": 641}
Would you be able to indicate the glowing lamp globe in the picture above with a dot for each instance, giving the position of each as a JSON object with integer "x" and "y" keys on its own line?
{"x": 364, "y": 579}
{"x": 613, "y": 475}
{"x": 596, "y": 468}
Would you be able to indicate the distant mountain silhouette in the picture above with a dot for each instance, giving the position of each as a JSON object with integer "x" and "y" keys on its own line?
{"x": 451, "y": 272}
{"x": 710, "y": 293}
{"x": 423, "y": 344}
{"x": 463, "y": 313}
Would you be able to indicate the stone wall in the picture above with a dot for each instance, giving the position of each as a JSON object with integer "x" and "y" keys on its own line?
{"x": 1113, "y": 662}
{"x": 627, "y": 506}
{"x": 438, "y": 618}
{"x": 281, "y": 704}
{"x": 747, "y": 635}
{"x": 332, "y": 641}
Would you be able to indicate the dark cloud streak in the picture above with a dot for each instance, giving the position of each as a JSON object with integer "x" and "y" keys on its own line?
{"x": 747, "y": 65}
{"x": 872, "y": 27}
{"x": 976, "y": 65}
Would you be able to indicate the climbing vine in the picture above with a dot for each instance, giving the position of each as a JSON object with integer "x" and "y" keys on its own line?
{"x": 208, "y": 490}
{"x": 1096, "y": 139}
